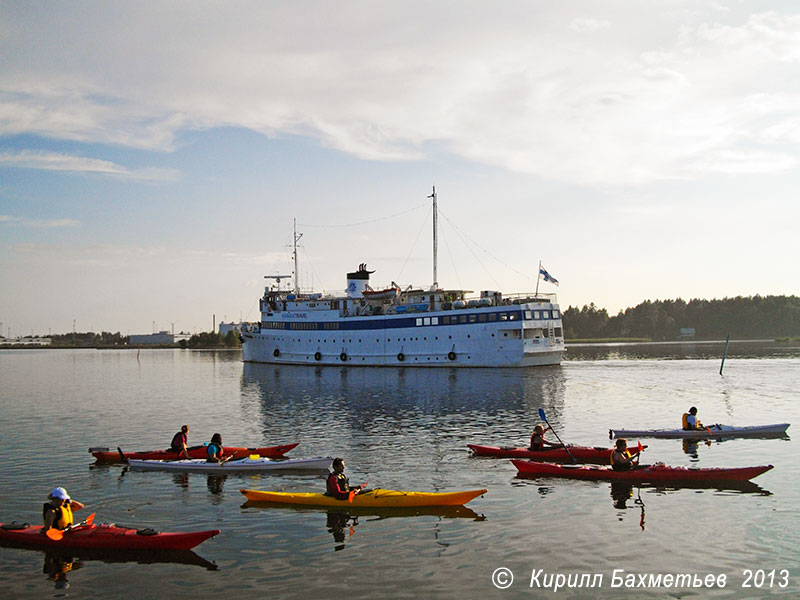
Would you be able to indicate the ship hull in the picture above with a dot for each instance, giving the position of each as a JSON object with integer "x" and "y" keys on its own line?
{"x": 419, "y": 341}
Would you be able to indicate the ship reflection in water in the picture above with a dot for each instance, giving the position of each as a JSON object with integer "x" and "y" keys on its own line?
{"x": 340, "y": 391}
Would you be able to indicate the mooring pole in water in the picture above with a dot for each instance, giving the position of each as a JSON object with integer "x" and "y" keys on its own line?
{"x": 725, "y": 352}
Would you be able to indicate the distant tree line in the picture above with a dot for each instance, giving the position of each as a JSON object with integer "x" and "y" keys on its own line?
{"x": 89, "y": 339}
{"x": 752, "y": 317}
{"x": 211, "y": 339}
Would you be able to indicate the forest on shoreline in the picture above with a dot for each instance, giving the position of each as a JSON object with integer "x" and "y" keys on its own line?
{"x": 751, "y": 317}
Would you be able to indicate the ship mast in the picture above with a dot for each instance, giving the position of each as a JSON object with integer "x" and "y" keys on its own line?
{"x": 435, "y": 241}
{"x": 294, "y": 254}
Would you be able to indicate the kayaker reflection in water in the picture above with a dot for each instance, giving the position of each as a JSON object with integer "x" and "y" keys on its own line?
{"x": 336, "y": 523}
{"x": 621, "y": 459}
{"x": 537, "y": 439}
{"x": 57, "y": 567}
{"x": 337, "y": 484}
{"x": 57, "y": 513}
{"x": 690, "y": 421}
{"x": 214, "y": 449}
{"x": 179, "y": 441}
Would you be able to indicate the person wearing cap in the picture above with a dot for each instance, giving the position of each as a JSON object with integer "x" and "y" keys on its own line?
{"x": 690, "y": 421}
{"x": 179, "y": 441}
{"x": 537, "y": 439}
{"x": 57, "y": 513}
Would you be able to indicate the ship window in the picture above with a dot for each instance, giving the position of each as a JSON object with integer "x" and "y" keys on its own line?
{"x": 536, "y": 315}
{"x": 528, "y": 315}
{"x": 512, "y": 316}
{"x": 504, "y": 316}
{"x": 419, "y": 322}
{"x": 482, "y": 318}
{"x": 493, "y": 316}
{"x": 426, "y": 321}
{"x": 557, "y": 331}
{"x": 472, "y": 318}
{"x": 462, "y": 319}
{"x": 545, "y": 314}
{"x": 434, "y": 320}
{"x": 556, "y": 314}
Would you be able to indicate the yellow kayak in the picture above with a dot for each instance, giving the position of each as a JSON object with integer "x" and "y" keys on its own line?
{"x": 374, "y": 498}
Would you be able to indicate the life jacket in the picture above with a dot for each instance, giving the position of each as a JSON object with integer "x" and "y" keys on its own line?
{"x": 336, "y": 483}
{"x": 685, "y": 420}
{"x": 63, "y": 514}
{"x": 178, "y": 440}
{"x": 618, "y": 467}
{"x": 211, "y": 451}
{"x": 537, "y": 441}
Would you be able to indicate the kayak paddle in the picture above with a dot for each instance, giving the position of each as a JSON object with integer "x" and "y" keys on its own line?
{"x": 122, "y": 455}
{"x": 57, "y": 534}
{"x": 544, "y": 418}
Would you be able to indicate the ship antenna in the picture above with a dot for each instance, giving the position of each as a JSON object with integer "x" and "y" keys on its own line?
{"x": 435, "y": 240}
{"x": 294, "y": 254}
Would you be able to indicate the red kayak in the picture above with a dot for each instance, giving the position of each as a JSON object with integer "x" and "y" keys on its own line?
{"x": 102, "y": 537}
{"x": 585, "y": 454}
{"x": 644, "y": 474}
{"x": 104, "y": 455}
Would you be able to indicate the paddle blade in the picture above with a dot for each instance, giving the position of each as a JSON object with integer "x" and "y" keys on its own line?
{"x": 54, "y": 534}
{"x": 640, "y": 447}
{"x": 351, "y": 495}
{"x": 90, "y": 519}
{"x": 541, "y": 415}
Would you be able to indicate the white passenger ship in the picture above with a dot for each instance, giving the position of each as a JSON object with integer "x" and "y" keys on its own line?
{"x": 404, "y": 327}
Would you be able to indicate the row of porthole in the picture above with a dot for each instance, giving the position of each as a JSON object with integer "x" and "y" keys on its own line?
{"x": 343, "y": 356}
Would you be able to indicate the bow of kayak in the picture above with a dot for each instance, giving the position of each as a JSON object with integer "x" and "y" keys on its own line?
{"x": 377, "y": 498}
{"x": 104, "y": 537}
{"x": 644, "y": 474}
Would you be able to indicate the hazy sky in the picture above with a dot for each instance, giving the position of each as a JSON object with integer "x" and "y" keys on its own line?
{"x": 153, "y": 155}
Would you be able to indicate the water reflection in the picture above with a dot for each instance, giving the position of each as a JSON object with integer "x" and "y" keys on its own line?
{"x": 341, "y": 521}
{"x": 364, "y": 396}
{"x": 59, "y": 564}
{"x": 682, "y": 350}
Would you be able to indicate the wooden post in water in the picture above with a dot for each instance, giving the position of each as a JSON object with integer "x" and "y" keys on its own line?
{"x": 725, "y": 352}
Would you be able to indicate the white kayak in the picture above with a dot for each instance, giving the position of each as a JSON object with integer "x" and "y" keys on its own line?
{"x": 243, "y": 464}
{"x": 709, "y": 432}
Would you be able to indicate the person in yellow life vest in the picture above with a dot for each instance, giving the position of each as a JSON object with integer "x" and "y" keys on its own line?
{"x": 690, "y": 421}
{"x": 57, "y": 513}
{"x": 621, "y": 459}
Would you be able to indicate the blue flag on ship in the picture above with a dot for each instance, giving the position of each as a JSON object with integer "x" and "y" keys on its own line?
{"x": 547, "y": 277}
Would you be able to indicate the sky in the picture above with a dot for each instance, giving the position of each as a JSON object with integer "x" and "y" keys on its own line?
{"x": 154, "y": 156}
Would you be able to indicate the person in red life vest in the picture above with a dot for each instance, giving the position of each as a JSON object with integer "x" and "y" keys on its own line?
{"x": 537, "y": 439}
{"x": 337, "y": 484}
{"x": 57, "y": 513}
{"x": 621, "y": 459}
{"x": 179, "y": 441}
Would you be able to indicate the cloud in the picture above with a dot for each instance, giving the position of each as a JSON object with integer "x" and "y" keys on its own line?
{"x": 645, "y": 97}
{"x": 52, "y": 161}
{"x": 38, "y": 223}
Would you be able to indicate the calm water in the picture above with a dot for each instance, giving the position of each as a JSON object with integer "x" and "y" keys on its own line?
{"x": 404, "y": 429}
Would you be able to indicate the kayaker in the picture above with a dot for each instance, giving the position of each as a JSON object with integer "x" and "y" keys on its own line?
{"x": 57, "y": 513}
{"x": 537, "y": 439}
{"x": 214, "y": 449}
{"x": 338, "y": 485}
{"x": 179, "y": 441}
{"x": 621, "y": 459}
{"x": 690, "y": 421}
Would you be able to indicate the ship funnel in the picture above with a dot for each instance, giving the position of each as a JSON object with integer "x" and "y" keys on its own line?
{"x": 358, "y": 281}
